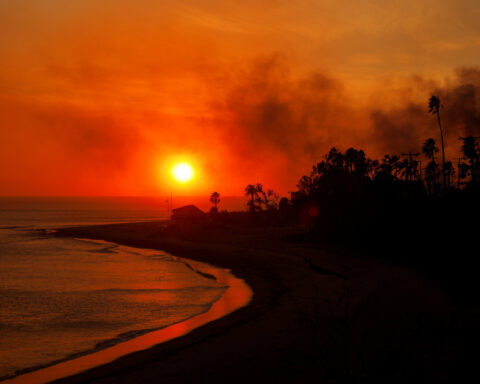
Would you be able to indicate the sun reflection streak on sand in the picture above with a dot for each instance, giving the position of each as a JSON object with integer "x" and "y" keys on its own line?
{"x": 237, "y": 295}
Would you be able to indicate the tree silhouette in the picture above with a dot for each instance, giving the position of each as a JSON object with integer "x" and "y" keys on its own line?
{"x": 434, "y": 108}
{"x": 305, "y": 185}
{"x": 463, "y": 170}
{"x": 251, "y": 192}
{"x": 350, "y": 159}
{"x": 389, "y": 166}
{"x": 258, "y": 197}
{"x": 357, "y": 163}
{"x": 408, "y": 166}
{"x": 431, "y": 176}
{"x": 270, "y": 199}
{"x": 429, "y": 150}
{"x": 449, "y": 172}
{"x": 215, "y": 199}
{"x": 469, "y": 150}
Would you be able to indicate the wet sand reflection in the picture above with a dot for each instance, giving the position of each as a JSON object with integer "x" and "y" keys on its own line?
{"x": 237, "y": 295}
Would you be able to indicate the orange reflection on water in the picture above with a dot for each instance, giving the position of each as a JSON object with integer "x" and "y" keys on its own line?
{"x": 237, "y": 295}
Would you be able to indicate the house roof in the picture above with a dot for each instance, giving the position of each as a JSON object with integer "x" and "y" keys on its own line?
{"x": 188, "y": 210}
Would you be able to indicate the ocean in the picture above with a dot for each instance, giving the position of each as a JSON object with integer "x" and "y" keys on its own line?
{"x": 61, "y": 298}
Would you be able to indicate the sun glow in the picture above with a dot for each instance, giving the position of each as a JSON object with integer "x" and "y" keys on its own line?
{"x": 183, "y": 172}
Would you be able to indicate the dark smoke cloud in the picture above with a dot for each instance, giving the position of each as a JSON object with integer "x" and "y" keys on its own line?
{"x": 402, "y": 129}
{"x": 273, "y": 113}
{"x": 275, "y": 117}
{"x": 461, "y": 102}
{"x": 263, "y": 123}
{"x": 406, "y": 127}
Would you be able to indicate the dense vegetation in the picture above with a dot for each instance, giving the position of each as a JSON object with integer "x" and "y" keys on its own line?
{"x": 412, "y": 209}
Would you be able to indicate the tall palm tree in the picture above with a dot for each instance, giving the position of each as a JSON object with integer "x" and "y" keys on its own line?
{"x": 434, "y": 108}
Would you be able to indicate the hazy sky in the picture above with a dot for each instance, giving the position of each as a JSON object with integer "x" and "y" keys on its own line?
{"x": 101, "y": 97}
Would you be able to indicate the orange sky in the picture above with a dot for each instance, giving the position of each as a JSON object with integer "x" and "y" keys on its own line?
{"x": 101, "y": 97}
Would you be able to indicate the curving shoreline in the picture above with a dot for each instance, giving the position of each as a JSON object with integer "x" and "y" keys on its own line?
{"x": 236, "y": 295}
{"x": 313, "y": 311}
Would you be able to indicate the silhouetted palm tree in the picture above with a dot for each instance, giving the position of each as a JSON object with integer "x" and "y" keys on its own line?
{"x": 431, "y": 176}
{"x": 449, "y": 172}
{"x": 372, "y": 167}
{"x": 414, "y": 165}
{"x": 392, "y": 164}
{"x": 270, "y": 199}
{"x": 260, "y": 194}
{"x": 215, "y": 199}
{"x": 404, "y": 168}
{"x": 434, "y": 108}
{"x": 470, "y": 152}
{"x": 429, "y": 150}
{"x": 251, "y": 192}
{"x": 409, "y": 168}
{"x": 462, "y": 171}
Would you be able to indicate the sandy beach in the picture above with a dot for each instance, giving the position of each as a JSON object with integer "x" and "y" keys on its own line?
{"x": 236, "y": 294}
{"x": 325, "y": 153}
{"x": 315, "y": 314}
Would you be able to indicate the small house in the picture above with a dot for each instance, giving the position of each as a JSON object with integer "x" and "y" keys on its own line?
{"x": 187, "y": 213}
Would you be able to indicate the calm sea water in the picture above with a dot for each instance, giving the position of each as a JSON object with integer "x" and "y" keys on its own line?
{"x": 63, "y": 297}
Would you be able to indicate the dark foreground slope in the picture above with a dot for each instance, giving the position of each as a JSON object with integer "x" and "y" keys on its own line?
{"x": 316, "y": 315}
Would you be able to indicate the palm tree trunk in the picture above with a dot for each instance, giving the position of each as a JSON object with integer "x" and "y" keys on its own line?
{"x": 443, "y": 150}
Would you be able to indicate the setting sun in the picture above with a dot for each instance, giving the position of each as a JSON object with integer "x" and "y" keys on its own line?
{"x": 183, "y": 172}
